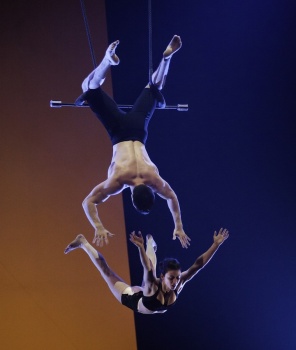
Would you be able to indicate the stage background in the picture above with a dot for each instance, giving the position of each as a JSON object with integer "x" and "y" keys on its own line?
{"x": 50, "y": 160}
{"x": 230, "y": 159}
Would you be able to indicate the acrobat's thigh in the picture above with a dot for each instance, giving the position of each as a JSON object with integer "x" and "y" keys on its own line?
{"x": 144, "y": 106}
{"x": 105, "y": 108}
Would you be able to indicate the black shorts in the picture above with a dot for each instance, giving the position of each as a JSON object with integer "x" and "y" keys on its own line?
{"x": 120, "y": 125}
{"x": 131, "y": 301}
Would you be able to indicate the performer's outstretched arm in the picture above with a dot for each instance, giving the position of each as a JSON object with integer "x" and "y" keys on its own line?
{"x": 138, "y": 241}
{"x": 149, "y": 273}
{"x": 98, "y": 195}
{"x": 203, "y": 259}
{"x": 166, "y": 192}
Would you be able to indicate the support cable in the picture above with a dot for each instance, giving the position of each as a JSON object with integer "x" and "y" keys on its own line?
{"x": 92, "y": 52}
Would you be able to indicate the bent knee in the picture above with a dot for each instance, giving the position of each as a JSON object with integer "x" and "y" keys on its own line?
{"x": 84, "y": 85}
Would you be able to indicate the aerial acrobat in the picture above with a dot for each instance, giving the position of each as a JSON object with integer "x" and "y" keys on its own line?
{"x": 130, "y": 165}
{"x": 157, "y": 294}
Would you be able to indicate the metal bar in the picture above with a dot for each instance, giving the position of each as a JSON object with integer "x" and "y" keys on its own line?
{"x": 58, "y": 104}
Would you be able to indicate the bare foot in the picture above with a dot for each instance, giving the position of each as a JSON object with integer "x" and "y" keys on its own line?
{"x": 150, "y": 240}
{"x": 172, "y": 47}
{"x": 111, "y": 55}
{"x": 77, "y": 243}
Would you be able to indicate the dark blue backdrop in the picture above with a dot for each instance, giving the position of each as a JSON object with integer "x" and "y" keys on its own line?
{"x": 230, "y": 159}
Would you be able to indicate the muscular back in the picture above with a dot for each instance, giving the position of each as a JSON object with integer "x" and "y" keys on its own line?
{"x": 131, "y": 164}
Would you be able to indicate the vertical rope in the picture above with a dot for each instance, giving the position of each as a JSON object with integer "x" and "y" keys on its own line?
{"x": 88, "y": 34}
{"x": 150, "y": 40}
{"x": 150, "y": 63}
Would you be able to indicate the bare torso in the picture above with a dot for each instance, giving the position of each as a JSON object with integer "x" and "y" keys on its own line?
{"x": 131, "y": 165}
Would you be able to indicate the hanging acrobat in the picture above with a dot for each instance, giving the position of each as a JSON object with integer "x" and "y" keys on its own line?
{"x": 130, "y": 166}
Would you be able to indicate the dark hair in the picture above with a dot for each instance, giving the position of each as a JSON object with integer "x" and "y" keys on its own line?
{"x": 168, "y": 264}
{"x": 143, "y": 198}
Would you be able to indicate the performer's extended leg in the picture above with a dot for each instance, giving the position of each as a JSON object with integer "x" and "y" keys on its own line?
{"x": 151, "y": 248}
{"x": 159, "y": 76}
{"x": 144, "y": 106}
{"x": 115, "y": 283}
{"x": 97, "y": 77}
{"x": 105, "y": 108}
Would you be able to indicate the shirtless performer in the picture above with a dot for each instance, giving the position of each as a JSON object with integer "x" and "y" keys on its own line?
{"x": 130, "y": 165}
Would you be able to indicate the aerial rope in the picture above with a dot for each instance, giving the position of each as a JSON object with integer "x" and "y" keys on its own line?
{"x": 150, "y": 61}
{"x": 92, "y": 52}
{"x": 161, "y": 101}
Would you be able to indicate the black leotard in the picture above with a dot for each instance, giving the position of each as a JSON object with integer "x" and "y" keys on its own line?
{"x": 153, "y": 304}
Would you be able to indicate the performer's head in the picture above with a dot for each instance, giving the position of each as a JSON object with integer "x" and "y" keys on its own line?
{"x": 143, "y": 198}
{"x": 170, "y": 272}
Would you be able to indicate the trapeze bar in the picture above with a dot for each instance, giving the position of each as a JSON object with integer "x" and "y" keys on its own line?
{"x": 58, "y": 104}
